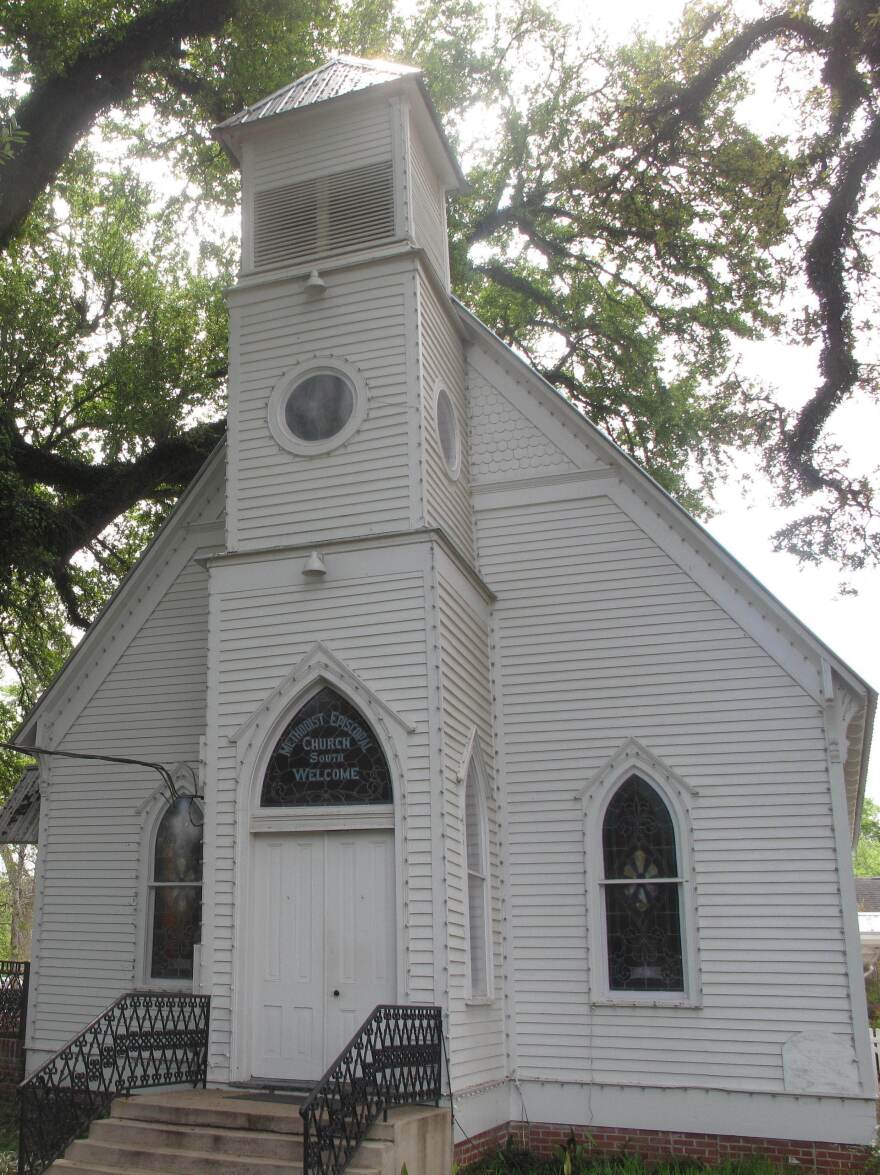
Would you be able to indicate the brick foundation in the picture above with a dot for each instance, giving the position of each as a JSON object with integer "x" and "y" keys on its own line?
{"x": 11, "y": 1063}
{"x": 545, "y": 1139}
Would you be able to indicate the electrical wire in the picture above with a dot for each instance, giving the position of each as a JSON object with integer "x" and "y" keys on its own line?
{"x": 33, "y": 752}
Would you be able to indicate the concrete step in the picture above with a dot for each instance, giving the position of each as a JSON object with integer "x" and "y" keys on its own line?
{"x": 210, "y": 1108}
{"x": 88, "y": 1152}
{"x": 215, "y": 1132}
{"x": 261, "y": 1144}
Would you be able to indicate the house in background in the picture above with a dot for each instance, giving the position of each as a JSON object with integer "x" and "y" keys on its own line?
{"x": 478, "y": 717}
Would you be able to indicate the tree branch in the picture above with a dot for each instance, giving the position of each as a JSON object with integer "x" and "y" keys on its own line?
{"x": 60, "y": 110}
{"x": 827, "y": 279}
{"x": 687, "y": 102}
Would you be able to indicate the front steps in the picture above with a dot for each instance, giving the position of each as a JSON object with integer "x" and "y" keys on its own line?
{"x": 227, "y": 1132}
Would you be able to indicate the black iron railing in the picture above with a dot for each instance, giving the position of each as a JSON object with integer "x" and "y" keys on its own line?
{"x": 14, "y": 979}
{"x": 393, "y": 1059}
{"x": 143, "y": 1039}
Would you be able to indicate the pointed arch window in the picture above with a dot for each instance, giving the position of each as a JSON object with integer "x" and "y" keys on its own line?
{"x": 327, "y": 754}
{"x": 477, "y": 898}
{"x": 642, "y": 892}
{"x": 175, "y": 888}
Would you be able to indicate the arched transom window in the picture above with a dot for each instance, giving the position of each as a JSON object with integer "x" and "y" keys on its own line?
{"x": 642, "y": 891}
{"x": 476, "y": 857}
{"x": 327, "y": 754}
{"x": 176, "y": 890}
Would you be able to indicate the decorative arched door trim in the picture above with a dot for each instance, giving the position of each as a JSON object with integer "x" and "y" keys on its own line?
{"x": 254, "y": 743}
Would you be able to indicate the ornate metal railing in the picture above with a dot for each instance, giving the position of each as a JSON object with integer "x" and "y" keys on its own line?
{"x": 14, "y": 979}
{"x": 393, "y": 1059}
{"x": 143, "y": 1039}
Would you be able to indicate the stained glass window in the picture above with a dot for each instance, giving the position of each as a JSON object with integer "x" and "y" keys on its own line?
{"x": 176, "y": 890}
{"x": 642, "y": 892}
{"x": 327, "y": 755}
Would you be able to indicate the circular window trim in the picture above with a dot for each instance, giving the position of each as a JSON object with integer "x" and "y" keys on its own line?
{"x": 317, "y": 365}
{"x": 453, "y": 469}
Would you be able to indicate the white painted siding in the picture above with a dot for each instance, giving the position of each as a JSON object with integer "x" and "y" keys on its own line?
{"x": 278, "y": 497}
{"x": 476, "y": 1030}
{"x": 602, "y": 637}
{"x": 429, "y": 207}
{"x": 504, "y": 444}
{"x": 148, "y": 703}
{"x": 371, "y": 614}
{"x": 311, "y": 144}
{"x": 447, "y": 502}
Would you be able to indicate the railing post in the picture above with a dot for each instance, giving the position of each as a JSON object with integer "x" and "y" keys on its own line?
{"x": 25, "y": 990}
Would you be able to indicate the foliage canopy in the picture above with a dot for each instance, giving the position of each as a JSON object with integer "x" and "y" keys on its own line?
{"x": 628, "y": 227}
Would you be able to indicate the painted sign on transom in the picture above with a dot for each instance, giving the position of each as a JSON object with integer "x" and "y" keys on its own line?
{"x": 327, "y": 754}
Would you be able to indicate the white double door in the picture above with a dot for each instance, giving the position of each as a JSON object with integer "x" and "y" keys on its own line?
{"x": 323, "y": 916}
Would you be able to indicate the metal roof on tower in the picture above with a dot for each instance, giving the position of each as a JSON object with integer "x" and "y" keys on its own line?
{"x": 340, "y": 75}
{"x": 338, "y": 78}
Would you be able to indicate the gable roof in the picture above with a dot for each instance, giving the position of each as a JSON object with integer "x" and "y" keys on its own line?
{"x": 340, "y": 75}
{"x": 860, "y": 726}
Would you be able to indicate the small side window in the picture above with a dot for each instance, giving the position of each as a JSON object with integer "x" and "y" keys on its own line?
{"x": 477, "y": 898}
{"x": 175, "y": 891}
{"x": 448, "y": 432}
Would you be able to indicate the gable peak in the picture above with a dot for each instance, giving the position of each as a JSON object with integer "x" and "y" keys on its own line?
{"x": 341, "y": 74}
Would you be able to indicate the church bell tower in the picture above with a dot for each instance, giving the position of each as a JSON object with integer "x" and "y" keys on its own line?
{"x": 347, "y": 405}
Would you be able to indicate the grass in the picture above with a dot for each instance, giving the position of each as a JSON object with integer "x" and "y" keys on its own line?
{"x": 576, "y": 1160}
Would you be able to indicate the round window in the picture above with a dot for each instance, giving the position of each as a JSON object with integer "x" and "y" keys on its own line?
{"x": 319, "y": 407}
{"x": 447, "y": 430}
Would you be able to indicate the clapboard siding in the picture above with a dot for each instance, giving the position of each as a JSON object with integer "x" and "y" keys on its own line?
{"x": 278, "y": 497}
{"x": 375, "y": 624}
{"x": 476, "y": 1031}
{"x": 447, "y": 502}
{"x": 428, "y": 206}
{"x": 602, "y": 637}
{"x": 151, "y": 705}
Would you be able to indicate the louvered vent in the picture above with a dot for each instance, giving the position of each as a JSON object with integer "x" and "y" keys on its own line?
{"x": 330, "y": 214}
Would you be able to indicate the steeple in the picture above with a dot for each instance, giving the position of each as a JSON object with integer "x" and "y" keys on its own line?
{"x": 340, "y": 192}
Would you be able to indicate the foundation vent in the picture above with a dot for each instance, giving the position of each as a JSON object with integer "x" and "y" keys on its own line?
{"x": 324, "y": 216}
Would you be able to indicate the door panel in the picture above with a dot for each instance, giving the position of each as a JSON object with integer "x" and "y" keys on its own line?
{"x": 359, "y": 906}
{"x": 289, "y": 978}
{"x": 323, "y": 923}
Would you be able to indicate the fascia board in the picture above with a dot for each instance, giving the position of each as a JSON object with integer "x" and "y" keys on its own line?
{"x": 112, "y": 613}
{"x": 705, "y": 543}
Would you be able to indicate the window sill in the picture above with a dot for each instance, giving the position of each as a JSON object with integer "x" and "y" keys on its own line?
{"x": 484, "y": 1001}
{"x": 614, "y": 1002}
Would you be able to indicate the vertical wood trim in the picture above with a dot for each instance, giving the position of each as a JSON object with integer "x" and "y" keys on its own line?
{"x": 835, "y": 742}
{"x": 400, "y": 155}
{"x": 415, "y": 384}
{"x": 508, "y": 998}
{"x": 233, "y": 426}
{"x": 435, "y": 777}
{"x": 209, "y": 840}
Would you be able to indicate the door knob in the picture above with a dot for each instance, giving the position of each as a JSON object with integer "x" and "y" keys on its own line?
{"x": 336, "y": 993}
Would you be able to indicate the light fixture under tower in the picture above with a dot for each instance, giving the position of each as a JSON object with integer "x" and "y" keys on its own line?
{"x": 315, "y": 285}
{"x": 315, "y": 566}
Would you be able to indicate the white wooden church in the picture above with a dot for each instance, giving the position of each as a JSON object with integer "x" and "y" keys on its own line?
{"x": 477, "y": 716}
